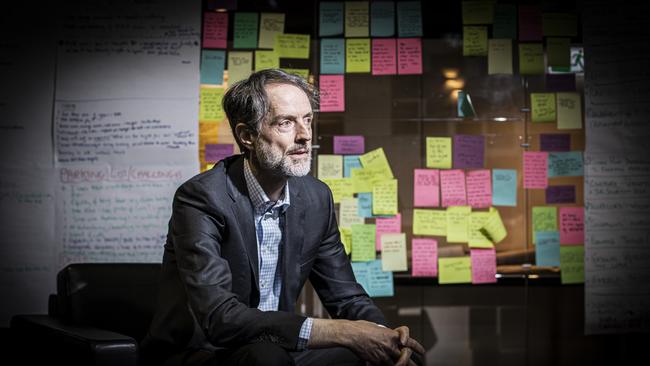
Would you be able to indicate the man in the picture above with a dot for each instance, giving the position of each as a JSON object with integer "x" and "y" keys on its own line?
{"x": 244, "y": 237}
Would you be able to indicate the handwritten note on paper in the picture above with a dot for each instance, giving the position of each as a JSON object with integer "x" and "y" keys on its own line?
{"x": 559, "y": 25}
{"x": 555, "y": 142}
{"x": 479, "y": 188}
{"x": 365, "y": 204}
{"x": 212, "y": 66}
{"x": 504, "y": 187}
{"x": 439, "y": 152}
{"x": 531, "y": 59}
{"x": 452, "y": 188}
{"x": 458, "y": 224}
{"x": 393, "y": 254}
{"x": 356, "y": 19}
{"x": 469, "y": 151}
{"x": 478, "y": 12}
{"x": 332, "y": 97}
{"x": 547, "y": 248}
{"x": 530, "y": 23}
{"x": 361, "y": 273}
{"x": 266, "y": 60}
{"x": 454, "y": 270}
{"x": 535, "y": 169}
{"x": 429, "y": 222}
{"x": 350, "y": 162}
{"x": 332, "y": 56}
{"x": 500, "y": 56}
{"x": 409, "y": 56}
{"x": 484, "y": 265}
{"x": 210, "y": 109}
{"x": 477, "y": 239}
{"x": 505, "y": 21}
{"x": 426, "y": 188}
{"x": 560, "y": 194}
{"x": 346, "y": 239}
{"x": 377, "y": 159}
{"x": 380, "y": 283}
{"x": 240, "y": 66}
{"x": 363, "y": 242}
{"x": 349, "y": 213}
{"x": 292, "y": 45}
{"x": 357, "y": 55}
{"x": 569, "y": 111}
{"x": 330, "y": 166}
{"x": 215, "y": 30}
{"x": 544, "y": 219}
{"x": 349, "y": 145}
{"x": 364, "y": 179}
{"x": 424, "y": 257}
{"x": 387, "y": 225}
{"x": 572, "y": 264}
{"x": 558, "y": 52}
{"x": 565, "y": 164}
{"x": 572, "y": 225}
{"x": 330, "y": 18}
{"x": 271, "y": 24}
{"x": 384, "y": 197}
{"x": 494, "y": 229}
{"x": 341, "y": 188}
{"x": 245, "y": 30}
{"x": 217, "y": 152}
{"x": 542, "y": 107}
{"x": 384, "y": 55}
{"x": 475, "y": 41}
{"x": 382, "y": 18}
{"x": 409, "y": 19}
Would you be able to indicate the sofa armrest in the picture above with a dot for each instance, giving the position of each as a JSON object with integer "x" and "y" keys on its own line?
{"x": 43, "y": 337}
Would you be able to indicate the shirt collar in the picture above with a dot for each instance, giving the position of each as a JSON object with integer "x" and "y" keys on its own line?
{"x": 258, "y": 197}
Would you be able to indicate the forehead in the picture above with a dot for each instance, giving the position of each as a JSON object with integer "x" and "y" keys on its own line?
{"x": 288, "y": 99}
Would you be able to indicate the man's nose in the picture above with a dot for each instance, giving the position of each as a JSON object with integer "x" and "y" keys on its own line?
{"x": 303, "y": 131}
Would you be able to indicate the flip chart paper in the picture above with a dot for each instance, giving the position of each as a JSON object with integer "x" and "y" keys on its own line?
{"x": 393, "y": 254}
{"x": 330, "y": 19}
{"x": 215, "y": 30}
{"x": 500, "y": 56}
{"x": 469, "y": 151}
{"x": 558, "y": 52}
{"x": 429, "y": 222}
{"x": 555, "y": 142}
{"x": 458, "y": 224}
{"x": 350, "y": 162}
{"x": 475, "y": 41}
{"x": 476, "y": 237}
{"x": 505, "y": 21}
{"x": 271, "y": 24}
{"x": 478, "y": 12}
{"x": 356, "y": 19}
{"x": 542, "y": 107}
{"x": 384, "y": 56}
{"x": 479, "y": 188}
{"x": 387, "y": 225}
{"x": 409, "y": 56}
{"x": 559, "y": 25}
{"x": 569, "y": 111}
{"x": 384, "y": 197}
{"x": 349, "y": 213}
{"x": 452, "y": 187}
{"x": 504, "y": 187}
{"x": 363, "y": 242}
{"x": 454, "y": 270}
{"x": 365, "y": 204}
{"x": 212, "y": 65}
{"x": 530, "y": 23}
{"x": 382, "y": 18}
{"x": 535, "y": 169}
{"x": 330, "y": 166}
{"x": 292, "y": 45}
{"x": 424, "y": 257}
{"x": 216, "y": 152}
{"x": 377, "y": 159}
{"x": 245, "y": 30}
{"x": 357, "y": 55}
{"x": 332, "y": 93}
{"x": 572, "y": 225}
{"x": 266, "y": 60}
{"x": 210, "y": 109}
{"x": 347, "y": 145}
{"x": 494, "y": 228}
{"x": 560, "y": 194}
{"x": 346, "y": 238}
{"x": 565, "y": 164}
{"x": 240, "y": 66}
{"x": 409, "y": 19}
{"x": 547, "y": 248}
{"x": 426, "y": 188}
{"x": 380, "y": 283}
{"x": 484, "y": 265}
{"x": 544, "y": 219}
{"x": 531, "y": 59}
{"x": 439, "y": 152}
{"x": 572, "y": 264}
{"x": 341, "y": 188}
{"x": 332, "y": 56}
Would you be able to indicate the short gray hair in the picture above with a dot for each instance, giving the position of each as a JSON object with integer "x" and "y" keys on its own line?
{"x": 247, "y": 102}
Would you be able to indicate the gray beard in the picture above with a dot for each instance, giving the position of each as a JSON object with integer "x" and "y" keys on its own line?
{"x": 274, "y": 161}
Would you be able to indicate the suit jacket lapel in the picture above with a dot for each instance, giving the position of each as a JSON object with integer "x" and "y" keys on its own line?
{"x": 292, "y": 247}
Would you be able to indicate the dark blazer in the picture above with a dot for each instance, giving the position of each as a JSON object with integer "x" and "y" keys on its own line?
{"x": 209, "y": 283}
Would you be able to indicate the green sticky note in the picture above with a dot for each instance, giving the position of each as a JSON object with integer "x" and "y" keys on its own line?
{"x": 542, "y": 107}
{"x": 330, "y": 166}
{"x": 544, "y": 219}
{"x": 438, "y": 152}
{"x": 478, "y": 12}
{"x": 210, "y": 109}
{"x": 357, "y": 55}
{"x": 454, "y": 270}
{"x": 475, "y": 41}
{"x": 266, "y": 60}
{"x": 363, "y": 242}
{"x": 393, "y": 252}
{"x": 271, "y": 24}
{"x": 429, "y": 222}
{"x": 559, "y": 25}
{"x": 505, "y": 21}
{"x": 356, "y": 19}
{"x": 531, "y": 59}
{"x": 500, "y": 56}
{"x": 245, "y": 30}
{"x": 572, "y": 264}
{"x": 384, "y": 197}
{"x": 376, "y": 160}
{"x": 493, "y": 228}
{"x": 558, "y": 52}
{"x": 292, "y": 45}
{"x": 476, "y": 237}
{"x": 346, "y": 238}
{"x": 458, "y": 224}
{"x": 569, "y": 111}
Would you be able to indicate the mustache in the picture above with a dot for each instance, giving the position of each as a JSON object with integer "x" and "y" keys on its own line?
{"x": 296, "y": 148}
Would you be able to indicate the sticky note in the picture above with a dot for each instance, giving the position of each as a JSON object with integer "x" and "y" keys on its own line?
{"x": 217, "y": 152}
{"x": 438, "y": 152}
{"x": 356, "y": 19}
{"x": 349, "y": 212}
{"x": 240, "y": 66}
{"x": 365, "y": 204}
{"x": 530, "y": 22}
{"x": 212, "y": 65}
{"x": 330, "y": 18}
{"x": 478, "y": 12}
{"x": 364, "y": 179}
{"x": 505, "y": 21}
{"x": 384, "y": 197}
{"x": 332, "y": 56}
{"x": 215, "y": 30}
{"x": 409, "y": 56}
{"x": 454, "y": 270}
{"x": 484, "y": 265}
{"x": 377, "y": 159}
{"x": 560, "y": 194}
{"x": 555, "y": 142}
{"x": 565, "y": 164}
{"x": 363, "y": 242}
{"x": 330, "y": 166}
{"x": 547, "y": 248}
{"x": 544, "y": 219}
{"x": 475, "y": 41}
{"x": 504, "y": 187}
{"x": 476, "y": 237}
{"x": 426, "y": 188}
{"x": 340, "y": 187}
{"x": 558, "y": 52}
{"x": 387, "y": 225}
{"x": 346, "y": 238}
{"x": 361, "y": 273}
{"x": 479, "y": 188}
{"x": 531, "y": 59}
{"x": 357, "y": 55}
{"x": 500, "y": 56}
{"x": 393, "y": 254}
{"x": 542, "y": 107}
{"x": 494, "y": 229}
{"x": 424, "y": 257}
{"x": 210, "y": 109}
{"x": 332, "y": 93}
{"x": 572, "y": 228}
{"x": 458, "y": 224}
{"x": 569, "y": 111}
{"x": 348, "y": 145}
{"x": 572, "y": 264}
{"x": 409, "y": 19}
{"x": 292, "y": 45}
{"x": 452, "y": 188}
{"x": 535, "y": 169}
{"x": 469, "y": 151}
{"x": 245, "y": 30}
{"x": 271, "y": 24}
{"x": 266, "y": 60}
{"x": 559, "y": 25}
{"x": 350, "y": 162}
{"x": 380, "y": 283}
{"x": 429, "y": 222}
{"x": 382, "y": 18}
{"x": 384, "y": 55}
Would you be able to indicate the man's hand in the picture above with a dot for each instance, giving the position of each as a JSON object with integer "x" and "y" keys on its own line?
{"x": 407, "y": 346}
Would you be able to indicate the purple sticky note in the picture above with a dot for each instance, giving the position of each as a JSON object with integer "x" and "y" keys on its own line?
{"x": 560, "y": 83}
{"x": 468, "y": 151}
{"x": 530, "y": 23}
{"x": 349, "y": 145}
{"x": 555, "y": 142}
{"x": 216, "y": 152}
{"x": 561, "y": 194}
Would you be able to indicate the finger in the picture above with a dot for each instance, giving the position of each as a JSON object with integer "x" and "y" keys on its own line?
{"x": 403, "y": 334}
{"x": 404, "y": 357}
{"x": 415, "y": 346}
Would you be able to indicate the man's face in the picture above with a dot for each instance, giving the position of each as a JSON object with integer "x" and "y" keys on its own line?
{"x": 284, "y": 141}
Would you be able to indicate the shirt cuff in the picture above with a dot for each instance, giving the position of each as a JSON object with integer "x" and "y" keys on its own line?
{"x": 305, "y": 333}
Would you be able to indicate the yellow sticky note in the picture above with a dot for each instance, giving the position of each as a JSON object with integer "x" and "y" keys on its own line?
{"x": 266, "y": 60}
{"x": 393, "y": 252}
{"x": 569, "y": 111}
{"x": 270, "y": 25}
{"x": 476, "y": 238}
{"x": 361, "y": 180}
{"x": 240, "y": 66}
{"x": 346, "y": 238}
{"x": 439, "y": 152}
{"x": 558, "y": 52}
{"x": 542, "y": 107}
{"x": 493, "y": 228}
{"x": 341, "y": 188}
{"x": 330, "y": 166}
{"x": 531, "y": 59}
{"x": 292, "y": 45}
{"x": 559, "y": 24}
{"x": 544, "y": 218}
{"x": 500, "y": 56}
{"x": 384, "y": 197}
{"x": 429, "y": 222}
{"x": 478, "y": 12}
{"x": 210, "y": 105}
{"x": 363, "y": 242}
{"x": 458, "y": 224}
{"x": 475, "y": 41}
{"x": 303, "y": 73}
{"x": 572, "y": 264}
{"x": 376, "y": 159}
{"x": 356, "y": 19}
{"x": 357, "y": 55}
{"x": 454, "y": 270}
{"x": 349, "y": 212}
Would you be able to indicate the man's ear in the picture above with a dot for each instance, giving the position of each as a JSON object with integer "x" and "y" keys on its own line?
{"x": 245, "y": 135}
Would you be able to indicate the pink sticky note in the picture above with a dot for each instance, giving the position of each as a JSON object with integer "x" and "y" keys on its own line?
{"x": 426, "y": 187}
{"x": 215, "y": 30}
{"x": 409, "y": 56}
{"x": 424, "y": 257}
{"x": 479, "y": 188}
{"x": 216, "y": 152}
{"x": 384, "y": 56}
{"x": 572, "y": 225}
{"x": 349, "y": 145}
{"x": 452, "y": 188}
{"x": 484, "y": 265}
{"x": 332, "y": 93}
{"x": 535, "y": 169}
{"x": 385, "y": 225}
{"x": 530, "y": 23}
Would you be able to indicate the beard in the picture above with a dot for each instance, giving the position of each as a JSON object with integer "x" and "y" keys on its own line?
{"x": 272, "y": 159}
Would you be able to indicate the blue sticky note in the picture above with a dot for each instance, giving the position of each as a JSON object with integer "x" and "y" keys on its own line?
{"x": 565, "y": 164}
{"x": 350, "y": 162}
{"x": 380, "y": 283}
{"x": 504, "y": 187}
{"x": 547, "y": 248}
{"x": 364, "y": 206}
{"x": 330, "y": 19}
{"x": 409, "y": 19}
{"x": 361, "y": 271}
{"x": 382, "y": 19}
{"x": 212, "y": 65}
{"x": 332, "y": 56}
